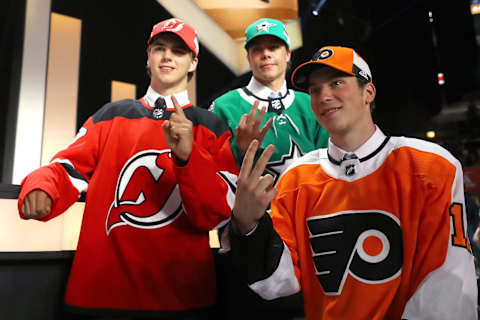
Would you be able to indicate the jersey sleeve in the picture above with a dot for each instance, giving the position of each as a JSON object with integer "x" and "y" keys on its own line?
{"x": 207, "y": 182}
{"x": 443, "y": 288}
{"x": 268, "y": 257}
{"x": 224, "y": 111}
{"x": 67, "y": 175}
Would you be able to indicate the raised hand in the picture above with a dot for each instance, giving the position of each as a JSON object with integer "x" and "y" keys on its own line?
{"x": 254, "y": 191}
{"x": 248, "y": 127}
{"x": 36, "y": 205}
{"x": 179, "y": 133}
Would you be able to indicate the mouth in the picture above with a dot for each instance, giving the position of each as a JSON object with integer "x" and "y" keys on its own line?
{"x": 268, "y": 65}
{"x": 166, "y": 68}
{"x": 329, "y": 111}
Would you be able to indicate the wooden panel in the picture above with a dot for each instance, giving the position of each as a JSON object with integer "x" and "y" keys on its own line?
{"x": 62, "y": 85}
{"x": 18, "y": 235}
{"x": 31, "y": 102}
{"x": 122, "y": 90}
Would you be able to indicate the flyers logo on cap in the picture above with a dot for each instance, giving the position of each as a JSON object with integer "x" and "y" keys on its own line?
{"x": 322, "y": 54}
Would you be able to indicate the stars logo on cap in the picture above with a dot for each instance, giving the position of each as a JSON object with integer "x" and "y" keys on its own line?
{"x": 265, "y": 25}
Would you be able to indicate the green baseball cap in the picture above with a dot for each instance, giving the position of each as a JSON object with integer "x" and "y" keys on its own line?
{"x": 267, "y": 27}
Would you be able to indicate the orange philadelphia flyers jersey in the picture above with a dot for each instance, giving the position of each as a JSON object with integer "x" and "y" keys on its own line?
{"x": 380, "y": 236}
{"x": 144, "y": 245}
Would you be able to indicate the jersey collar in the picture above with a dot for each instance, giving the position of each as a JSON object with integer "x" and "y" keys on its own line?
{"x": 367, "y": 150}
{"x": 182, "y": 97}
{"x": 262, "y": 91}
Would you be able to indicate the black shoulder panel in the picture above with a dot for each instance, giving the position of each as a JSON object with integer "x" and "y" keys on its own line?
{"x": 208, "y": 119}
{"x": 127, "y": 108}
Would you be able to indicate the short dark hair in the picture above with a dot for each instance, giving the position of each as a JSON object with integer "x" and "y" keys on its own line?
{"x": 362, "y": 83}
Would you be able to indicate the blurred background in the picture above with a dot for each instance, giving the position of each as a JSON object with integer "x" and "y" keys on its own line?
{"x": 423, "y": 55}
{"x": 62, "y": 60}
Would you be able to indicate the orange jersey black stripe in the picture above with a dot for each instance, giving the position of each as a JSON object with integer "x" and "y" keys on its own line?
{"x": 387, "y": 242}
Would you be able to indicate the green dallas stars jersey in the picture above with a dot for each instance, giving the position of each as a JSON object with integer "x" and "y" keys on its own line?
{"x": 294, "y": 132}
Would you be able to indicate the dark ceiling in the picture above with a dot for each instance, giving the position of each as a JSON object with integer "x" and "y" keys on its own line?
{"x": 396, "y": 39}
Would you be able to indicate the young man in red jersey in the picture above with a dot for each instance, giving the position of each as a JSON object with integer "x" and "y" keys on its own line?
{"x": 153, "y": 169}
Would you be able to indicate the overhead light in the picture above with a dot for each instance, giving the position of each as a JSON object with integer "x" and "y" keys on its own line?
{"x": 430, "y": 134}
{"x": 316, "y": 7}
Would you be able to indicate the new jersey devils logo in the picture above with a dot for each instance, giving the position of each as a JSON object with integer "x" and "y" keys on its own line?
{"x": 146, "y": 195}
{"x": 173, "y": 25}
{"x": 365, "y": 244}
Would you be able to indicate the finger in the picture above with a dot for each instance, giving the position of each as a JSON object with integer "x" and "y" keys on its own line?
{"x": 265, "y": 182}
{"x": 248, "y": 160}
{"x": 178, "y": 108}
{"x": 259, "y": 118}
{"x": 242, "y": 121}
{"x": 25, "y": 208}
{"x": 262, "y": 162}
{"x": 253, "y": 112}
{"x": 41, "y": 203}
{"x": 265, "y": 128}
{"x": 166, "y": 127}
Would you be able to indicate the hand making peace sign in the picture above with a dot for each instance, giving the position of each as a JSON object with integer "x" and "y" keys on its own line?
{"x": 179, "y": 133}
{"x": 248, "y": 127}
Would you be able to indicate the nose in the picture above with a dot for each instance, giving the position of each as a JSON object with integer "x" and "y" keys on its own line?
{"x": 266, "y": 53}
{"x": 323, "y": 95}
{"x": 166, "y": 55}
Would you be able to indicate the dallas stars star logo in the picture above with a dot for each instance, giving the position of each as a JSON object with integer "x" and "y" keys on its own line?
{"x": 265, "y": 25}
{"x": 276, "y": 168}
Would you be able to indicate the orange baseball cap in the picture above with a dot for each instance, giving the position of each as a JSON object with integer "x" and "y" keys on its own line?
{"x": 182, "y": 29}
{"x": 340, "y": 58}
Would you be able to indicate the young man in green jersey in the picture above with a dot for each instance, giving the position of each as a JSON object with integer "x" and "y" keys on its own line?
{"x": 266, "y": 109}
{"x": 294, "y": 130}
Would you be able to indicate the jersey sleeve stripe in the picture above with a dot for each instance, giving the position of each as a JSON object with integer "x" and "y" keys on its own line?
{"x": 77, "y": 180}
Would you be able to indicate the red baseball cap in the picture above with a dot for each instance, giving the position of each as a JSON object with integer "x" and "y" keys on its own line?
{"x": 340, "y": 58}
{"x": 181, "y": 29}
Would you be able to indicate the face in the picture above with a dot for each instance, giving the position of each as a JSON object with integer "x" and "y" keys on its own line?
{"x": 340, "y": 105}
{"x": 268, "y": 58}
{"x": 170, "y": 61}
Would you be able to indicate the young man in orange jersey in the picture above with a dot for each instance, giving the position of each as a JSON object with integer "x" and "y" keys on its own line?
{"x": 153, "y": 169}
{"x": 372, "y": 227}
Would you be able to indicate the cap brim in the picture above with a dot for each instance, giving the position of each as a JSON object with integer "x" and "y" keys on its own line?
{"x": 300, "y": 75}
{"x": 247, "y": 43}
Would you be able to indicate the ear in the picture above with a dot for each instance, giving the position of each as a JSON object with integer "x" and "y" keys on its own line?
{"x": 148, "y": 55}
{"x": 370, "y": 92}
{"x": 289, "y": 54}
{"x": 193, "y": 64}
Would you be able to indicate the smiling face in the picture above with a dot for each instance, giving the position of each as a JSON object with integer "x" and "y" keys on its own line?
{"x": 268, "y": 57}
{"x": 170, "y": 61}
{"x": 340, "y": 104}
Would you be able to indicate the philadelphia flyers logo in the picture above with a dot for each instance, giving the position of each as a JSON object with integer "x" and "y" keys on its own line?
{"x": 322, "y": 54}
{"x": 364, "y": 244}
{"x": 146, "y": 194}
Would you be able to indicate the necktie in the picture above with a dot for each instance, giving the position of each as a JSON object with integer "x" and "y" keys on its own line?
{"x": 350, "y": 163}
{"x": 159, "y": 110}
{"x": 275, "y": 103}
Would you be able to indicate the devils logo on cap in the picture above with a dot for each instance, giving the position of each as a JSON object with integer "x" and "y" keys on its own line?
{"x": 173, "y": 25}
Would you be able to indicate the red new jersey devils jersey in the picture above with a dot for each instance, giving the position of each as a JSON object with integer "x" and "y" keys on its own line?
{"x": 144, "y": 237}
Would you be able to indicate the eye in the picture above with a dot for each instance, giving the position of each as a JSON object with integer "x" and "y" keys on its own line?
{"x": 179, "y": 51}
{"x": 336, "y": 83}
